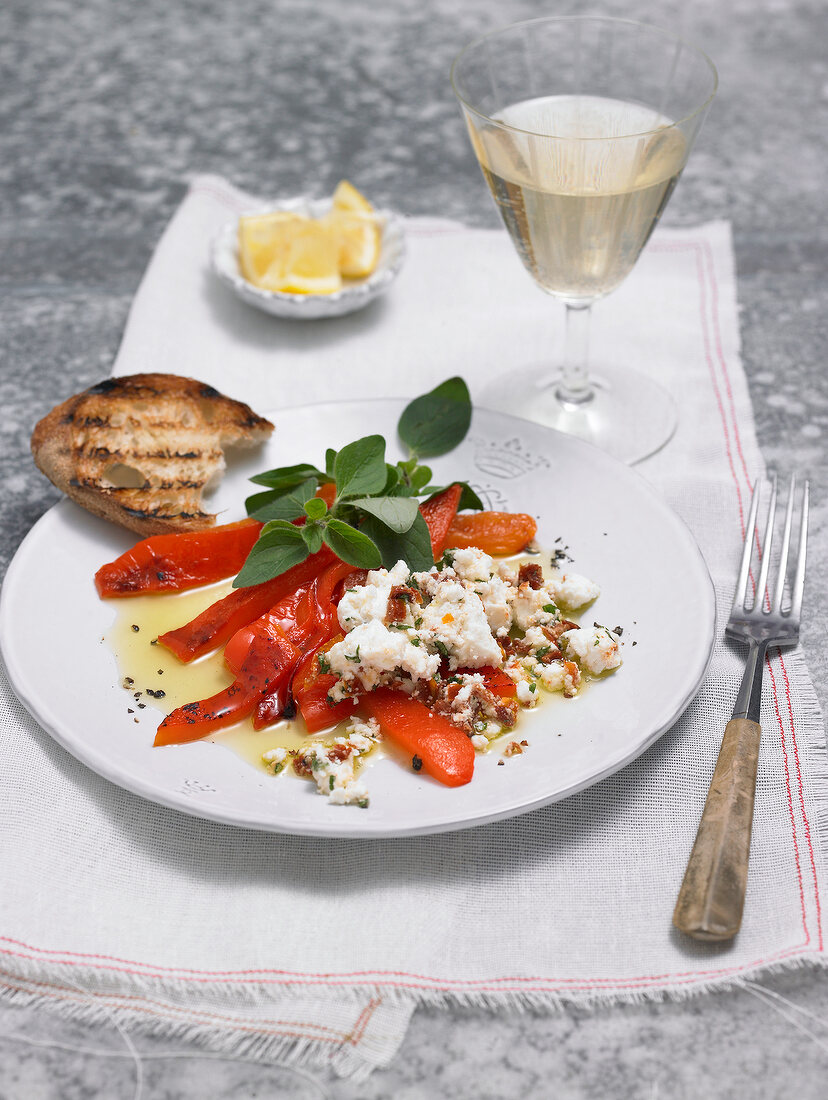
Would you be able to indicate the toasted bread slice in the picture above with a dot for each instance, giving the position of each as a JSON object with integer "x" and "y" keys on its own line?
{"x": 141, "y": 449}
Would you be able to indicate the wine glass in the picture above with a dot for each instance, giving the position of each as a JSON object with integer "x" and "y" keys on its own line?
{"x": 582, "y": 127}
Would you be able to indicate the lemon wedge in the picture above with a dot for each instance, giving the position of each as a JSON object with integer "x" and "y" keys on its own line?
{"x": 346, "y": 197}
{"x": 262, "y": 238}
{"x": 359, "y": 242}
{"x": 308, "y": 265}
{"x": 289, "y": 253}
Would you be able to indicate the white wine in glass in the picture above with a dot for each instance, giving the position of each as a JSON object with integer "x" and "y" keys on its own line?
{"x": 581, "y": 171}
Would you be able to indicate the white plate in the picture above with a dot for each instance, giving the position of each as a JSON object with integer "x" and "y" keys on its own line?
{"x": 354, "y": 295}
{"x": 654, "y": 584}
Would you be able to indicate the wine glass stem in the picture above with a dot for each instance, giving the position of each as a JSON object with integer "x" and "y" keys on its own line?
{"x": 575, "y": 387}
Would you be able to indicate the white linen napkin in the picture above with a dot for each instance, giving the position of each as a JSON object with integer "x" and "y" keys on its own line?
{"x": 295, "y": 948}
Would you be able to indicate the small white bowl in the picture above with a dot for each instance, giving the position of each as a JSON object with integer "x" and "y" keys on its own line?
{"x": 356, "y": 293}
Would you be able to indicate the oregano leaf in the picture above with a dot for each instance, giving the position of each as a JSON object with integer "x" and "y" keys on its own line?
{"x": 280, "y": 546}
{"x": 412, "y": 547}
{"x": 359, "y": 468}
{"x": 437, "y": 421}
{"x": 286, "y": 477}
{"x": 397, "y": 513}
{"x": 275, "y": 504}
{"x": 351, "y": 545}
{"x": 312, "y": 534}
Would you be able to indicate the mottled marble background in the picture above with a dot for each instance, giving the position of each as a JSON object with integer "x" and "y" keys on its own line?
{"x": 106, "y": 107}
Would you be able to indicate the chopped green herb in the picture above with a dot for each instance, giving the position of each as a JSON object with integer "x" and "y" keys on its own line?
{"x": 353, "y": 657}
{"x": 549, "y": 608}
{"x": 544, "y": 649}
{"x": 441, "y": 647}
{"x": 322, "y": 663}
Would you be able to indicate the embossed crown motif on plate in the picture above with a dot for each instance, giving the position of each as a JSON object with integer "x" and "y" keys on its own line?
{"x": 505, "y": 459}
{"x": 494, "y": 499}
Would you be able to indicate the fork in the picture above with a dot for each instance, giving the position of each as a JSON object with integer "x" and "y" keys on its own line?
{"x": 712, "y": 894}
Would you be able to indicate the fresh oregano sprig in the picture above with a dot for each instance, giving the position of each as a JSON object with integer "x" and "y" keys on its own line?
{"x": 375, "y": 516}
{"x": 377, "y": 527}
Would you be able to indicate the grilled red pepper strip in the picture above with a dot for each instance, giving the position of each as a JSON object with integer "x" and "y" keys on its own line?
{"x": 317, "y": 712}
{"x": 268, "y": 665}
{"x": 493, "y": 532}
{"x": 311, "y": 687}
{"x": 444, "y": 751}
{"x": 292, "y": 615}
{"x": 439, "y": 513}
{"x": 494, "y": 680}
{"x": 318, "y": 624}
{"x": 172, "y": 563}
{"x": 222, "y": 619}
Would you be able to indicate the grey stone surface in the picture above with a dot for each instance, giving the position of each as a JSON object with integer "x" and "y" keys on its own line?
{"x": 106, "y": 107}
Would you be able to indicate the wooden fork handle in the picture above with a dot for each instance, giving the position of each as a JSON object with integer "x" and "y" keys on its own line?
{"x": 712, "y": 895}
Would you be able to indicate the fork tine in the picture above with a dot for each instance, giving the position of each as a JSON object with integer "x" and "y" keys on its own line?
{"x": 740, "y": 594}
{"x": 776, "y": 606}
{"x": 766, "y": 549}
{"x": 799, "y": 579}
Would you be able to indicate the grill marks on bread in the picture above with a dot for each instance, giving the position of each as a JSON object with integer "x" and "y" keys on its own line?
{"x": 141, "y": 450}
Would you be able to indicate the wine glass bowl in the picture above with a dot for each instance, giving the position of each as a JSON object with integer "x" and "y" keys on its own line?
{"x": 582, "y": 127}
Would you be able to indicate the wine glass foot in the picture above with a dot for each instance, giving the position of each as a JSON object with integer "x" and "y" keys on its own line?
{"x": 628, "y": 415}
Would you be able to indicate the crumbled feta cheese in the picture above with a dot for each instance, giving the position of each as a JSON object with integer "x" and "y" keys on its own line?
{"x": 494, "y": 595}
{"x": 371, "y": 651}
{"x": 333, "y": 768}
{"x": 359, "y": 728}
{"x": 529, "y": 606}
{"x": 536, "y": 638}
{"x": 572, "y": 679}
{"x": 571, "y": 590}
{"x": 526, "y": 695}
{"x": 507, "y": 573}
{"x": 551, "y": 676}
{"x": 462, "y": 708}
{"x": 369, "y": 601}
{"x": 468, "y": 603}
{"x": 472, "y": 564}
{"x": 525, "y": 687}
{"x": 275, "y": 759}
{"x": 594, "y": 648}
{"x": 455, "y": 621}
